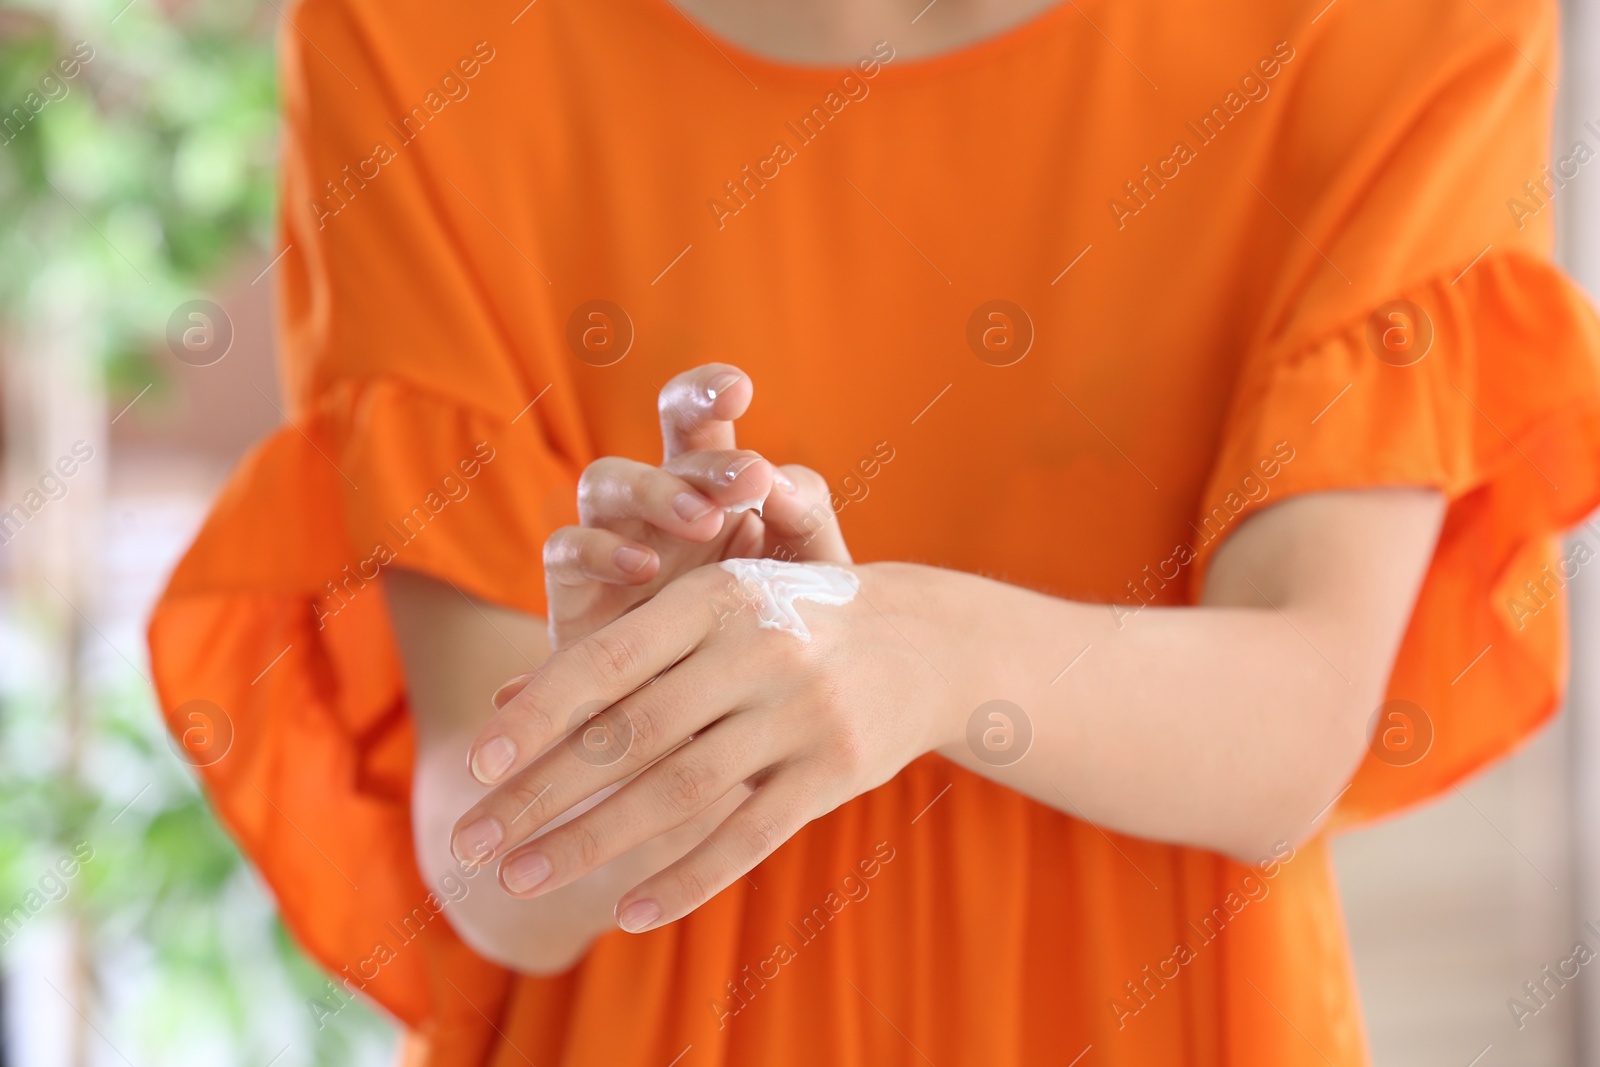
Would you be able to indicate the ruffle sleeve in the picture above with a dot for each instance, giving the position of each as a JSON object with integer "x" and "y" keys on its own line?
{"x": 423, "y": 432}
{"x": 1425, "y": 339}
{"x": 276, "y": 621}
{"x": 1502, "y": 414}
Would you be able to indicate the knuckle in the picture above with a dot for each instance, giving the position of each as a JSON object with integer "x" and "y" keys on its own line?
{"x": 539, "y": 721}
{"x": 708, "y": 580}
{"x": 586, "y": 843}
{"x": 525, "y": 716}
{"x": 667, "y": 399}
{"x": 685, "y": 786}
{"x": 645, "y": 728}
{"x": 763, "y": 834}
{"x": 558, "y": 547}
{"x": 599, "y": 482}
{"x": 526, "y": 800}
{"x": 846, "y": 749}
{"x": 593, "y": 475}
{"x": 840, "y": 754}
{"x": 612, "y": 655}
{"x": 694, "y": 888}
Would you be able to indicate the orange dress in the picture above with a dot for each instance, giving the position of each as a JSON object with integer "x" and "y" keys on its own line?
{"x": 1244, "y": 252}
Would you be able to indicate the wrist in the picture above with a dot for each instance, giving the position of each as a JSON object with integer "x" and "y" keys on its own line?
{"x": 933, "y": 622}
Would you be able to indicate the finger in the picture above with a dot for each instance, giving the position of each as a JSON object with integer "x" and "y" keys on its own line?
{"x": 800, "y": 516}
{"x": 666, "y": 795}
{"x": 613, "y": 490}
{"x": 598, "y": 750}
{"x": 606, "y": 671}
{"x": 605, "y": 665}
{"x": 773, "y": 814}
{"x": 698, "y": 407}
{"x": 510, "y": 688}
{"x": 577, "y": 555}
{"x": 736, "y": 480}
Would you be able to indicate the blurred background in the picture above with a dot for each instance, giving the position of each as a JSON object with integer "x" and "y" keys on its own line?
{"x": 137, "y": 147}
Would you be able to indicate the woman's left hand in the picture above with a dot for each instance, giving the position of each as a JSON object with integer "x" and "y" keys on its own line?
{"x": 695, "y": 697}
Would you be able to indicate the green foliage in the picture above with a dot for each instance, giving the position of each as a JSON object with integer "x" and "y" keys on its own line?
{"x": 144, "y": 175}
{"x": 124, "y": 191}
{"x": 189, "y": 951}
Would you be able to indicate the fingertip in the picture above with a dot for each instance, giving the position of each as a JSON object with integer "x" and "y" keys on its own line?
{"x": 492, "y": 759}
{"x": 707, "y": 521}
{"x": 691, "y": 507}
{"x": 721, "y": 383}
{"x": 473, "y": 845}
{"x": 728, "y": 394}
{"x": 522, "y": 873}
{"x": 755, "y": 477}
{"x": 510, "y": 689}
{"x": 638, "y": 916}
{"x": 633, "y": 561}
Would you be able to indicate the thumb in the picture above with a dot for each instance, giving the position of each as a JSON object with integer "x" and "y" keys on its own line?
{"x": 698, "y": 407}
{"x": 800, "y": 517}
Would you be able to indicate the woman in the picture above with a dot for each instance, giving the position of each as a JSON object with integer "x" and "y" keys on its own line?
{"x": 1222, "y": 343}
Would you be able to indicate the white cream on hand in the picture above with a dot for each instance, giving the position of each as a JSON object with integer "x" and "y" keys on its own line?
{"x": 743, "y": 506}
{"x": 772, "y": 587}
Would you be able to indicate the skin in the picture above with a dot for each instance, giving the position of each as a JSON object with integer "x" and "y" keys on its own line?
{"x": 836, "y": 32}
{"x": 1229, "y": 726}
{"x": 643, "y": 526}
{"x": 455, "y": 649}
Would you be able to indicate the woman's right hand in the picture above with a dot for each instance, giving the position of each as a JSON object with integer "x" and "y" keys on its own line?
{"x": 643, "y": 526}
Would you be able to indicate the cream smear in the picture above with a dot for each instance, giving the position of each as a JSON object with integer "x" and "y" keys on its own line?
{"x": 772, "y": 587}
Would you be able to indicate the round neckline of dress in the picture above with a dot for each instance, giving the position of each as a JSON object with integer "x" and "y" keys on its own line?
{"x": 984, "y": 48}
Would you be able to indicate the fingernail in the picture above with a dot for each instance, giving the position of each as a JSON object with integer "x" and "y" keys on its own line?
{"x": 638, "y": 915}
{"x": 522, "y": 873}
{"x": 631, "y": 559}
{"x": 782, "y": 480}
{"x": 690, "y": 507}
{"x": 493, "y": 759}
{"x": 738, "y": 467}
{"x": 721, "y": 384}
{"x": 474, "y": 845}
{"x": 510, "y": 689}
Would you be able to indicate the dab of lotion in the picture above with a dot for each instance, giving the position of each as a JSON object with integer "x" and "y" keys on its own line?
{"x": 773, "y": 586}
{"x": 748, "y": 505}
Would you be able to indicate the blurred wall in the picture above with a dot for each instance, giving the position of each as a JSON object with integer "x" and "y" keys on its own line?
{"x": 197, "y": 422}
{"x": 1579, "y": 217}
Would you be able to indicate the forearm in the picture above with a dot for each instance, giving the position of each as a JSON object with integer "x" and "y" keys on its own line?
{"x": 538, "y": 936}
{"x": 456, "y": 653}
{"x": 1204, "y": 726}
{"x": 544, "y": 935}
{"x": 1229, "y": 725}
